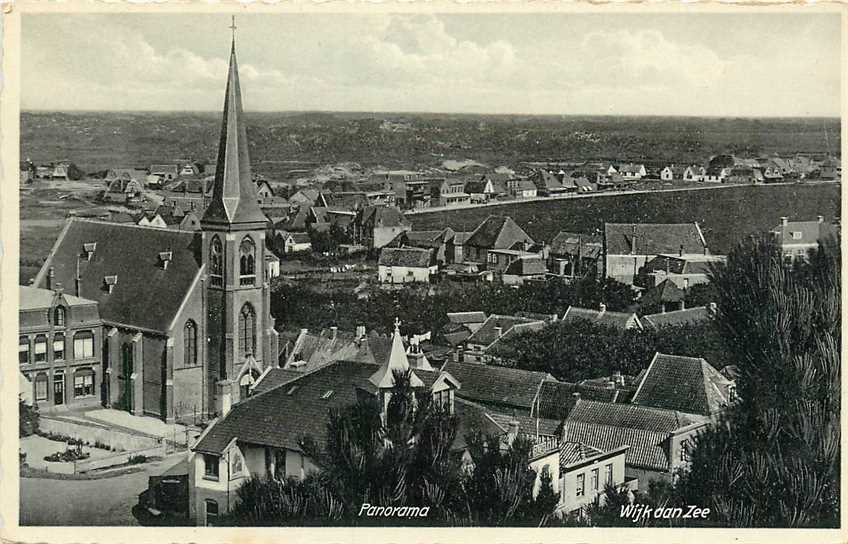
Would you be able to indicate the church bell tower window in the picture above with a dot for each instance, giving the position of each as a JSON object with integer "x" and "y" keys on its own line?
{"x": 247, "y": 262}
{"x": 216, "y": 262}
{"x": 247, "y": 331}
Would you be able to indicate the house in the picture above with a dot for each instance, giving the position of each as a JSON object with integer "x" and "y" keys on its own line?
{"x": 495, "y": 233}
{"x": 292, "y": 242}
{"x": 311, "y": 350}
{"x": 124, "y": 191}
{"x": 469, "y": 321}
{"x": 151, "y": 218}
{"x": 166, "y": 172}
{"x": 574, "y": 254}
{"x": 60, "y": 344}
{"x": 449, "y": 192}
{"x": 797, "y": 238}
{"x": 684, "y": 270}
{"x": 664, "y": 296}
{"x": 659, "y": 440}
{"x": 695, "y": 315}
{"x": 714, "y": 174}
{"x": 480, "y": 191}
{"x": 694, "y": 173}
{"x": 175, "y": 218}
{"x": 264, "y": 192}
{"x": 583, "y": 184}
{"x": 259, "y": 438}
{"x": 413, "y": 192}
{"x": 771, "y": 172}
{"x": 585, "y": 472}
{"x": 376, "y": 226}
{"x": 672, "y": 173}
{"x": 741, "y": 174}
{"x": 189, "y": 169}
{"x": 126, "y": 174}
{"x": 509, "y": 390}
{"x": 406, "y": 265}
{"x": 684, "y": 384}
{"x": 479, "y": 348}
{"x": 308, "y": 197}
{"x": 831, "y": 169}
{"x": 186, "y": 315}
{"x": 556, "y": 399}
{"x": 455, "y": 247}
{"x": 43, "y": 172}
{"x": 602, "y": 316}
{"x": 632, "y": 172}
{"x": 629, "y": 246}
{"x": 522, "y": 188}
{"x": 550, "y": 184}
{"x": 427, "y": 239}
{"x": 524, "y": 268}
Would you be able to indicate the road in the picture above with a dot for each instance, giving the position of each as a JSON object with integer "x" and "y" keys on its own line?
{"x": 106, "y": 501}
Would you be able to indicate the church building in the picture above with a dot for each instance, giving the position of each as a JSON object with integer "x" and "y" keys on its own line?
{"x": 187, "y": 326}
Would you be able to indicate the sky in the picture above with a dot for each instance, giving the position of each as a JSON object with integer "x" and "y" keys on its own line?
{"x": 698, "y": 64}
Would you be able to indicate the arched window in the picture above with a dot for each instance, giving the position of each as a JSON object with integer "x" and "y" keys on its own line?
{"x": 216, "y": 261}
{"x": 247, "y": 330}
{"x": 190, "y": 343}
{"x": 59, "y": 316}
{"x": 247, "y": 261}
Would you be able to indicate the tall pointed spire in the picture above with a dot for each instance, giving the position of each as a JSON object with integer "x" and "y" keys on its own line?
{"x": 234, "y": 197}
{"x": 397, "y": 361}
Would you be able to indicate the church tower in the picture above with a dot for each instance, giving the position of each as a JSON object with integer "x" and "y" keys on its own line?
{"x": 242, "y": 341}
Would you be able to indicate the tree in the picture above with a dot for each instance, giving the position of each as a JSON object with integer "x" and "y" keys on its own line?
{"x": 773, "y": 461}
{"x": 27, "y": 418}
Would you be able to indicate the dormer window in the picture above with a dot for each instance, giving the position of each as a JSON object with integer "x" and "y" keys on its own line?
{"x": 111, "y": 282}
{"x": 88, "y": 249}
{"x": 165, "y": 258}
{"x": 59, "y": 316}
{"x": 796, "y": 235}
{"x": 247, "y": 262}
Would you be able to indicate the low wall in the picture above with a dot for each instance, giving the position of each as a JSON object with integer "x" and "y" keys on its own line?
{"x": 86, "y": 465}
{"x": 91, "y": 433}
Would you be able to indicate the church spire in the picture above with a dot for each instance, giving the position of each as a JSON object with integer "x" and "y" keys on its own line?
{"x": 234, "y": 197}
{"x": 397, "y": 361}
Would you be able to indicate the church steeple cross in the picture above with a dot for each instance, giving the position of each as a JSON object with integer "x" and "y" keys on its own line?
{"x": 233, "y": 27}
{"x": 397, "y": 324}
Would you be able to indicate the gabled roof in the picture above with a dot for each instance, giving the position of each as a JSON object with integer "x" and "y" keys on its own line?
{"x": 686, "y": 264}
{"x": 619, "y": 320}
{"x": 569, "y": 243}
{"x": 666, "y": 291}
{"x": 164, "y": 169}
{"x": 677, "y": 317}
{"x": 653, "y": 238}
{"x": 556, "y": 399}
{"x": 497, "y": 233}
{"x": 383, "y": 216}
{"x": 406, "y": 256}
{"x": 632, "y": 416}
{"x": 811, "y": 232}
{"x": 647, "y": 448}
{"x": 33, "y": 298}
{"x": 466, "y": 317}
{"x": 571, "y": 452}
{"x": 275, "y": 377}
{"x": 497, "y": 385}
{"x": 487, "y": 334}
{"x": 687, "y": 384}
{"x": 527, "y": 266}
{"x": 234, "y": 197}
{"x": 384, "y": 377}
{"x": 146, "y": 294}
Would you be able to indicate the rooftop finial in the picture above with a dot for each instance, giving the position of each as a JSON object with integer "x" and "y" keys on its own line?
{"x": 233, "y": 27}
{"x": 397, "y": 325}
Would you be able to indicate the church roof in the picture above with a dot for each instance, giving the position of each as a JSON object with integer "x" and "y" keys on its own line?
{"x": 234, "y": 197}
{"x": 146, "y": 295}
{"x": 396, "y": 362}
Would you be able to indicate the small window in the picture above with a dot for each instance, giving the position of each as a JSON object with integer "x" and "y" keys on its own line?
{"x": 83, "y": 345}
{"x": 796, "y": 235}
{"x": 211, "y": 512}
{"x": 23, "y": 350}
{"x": 58, "y": 347}
{"x": 210, "y": 466}
{"x": 41, "y": 387}
{"x": 84, "y": 383}
{"x": 59, "y": 316}
{"x": 595, "y": 478}
{"x": 608, "y": 474}
{"x": 328, "y": 394}
{"x": 581, "y": 485}
{"x": 40, "y": 348}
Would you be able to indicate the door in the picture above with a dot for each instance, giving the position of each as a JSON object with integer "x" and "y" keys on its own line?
{"x": 124, "y": 380}
{"x": 58, "y": 389}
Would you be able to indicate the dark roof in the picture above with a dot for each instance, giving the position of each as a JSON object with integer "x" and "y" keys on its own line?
{"x": 557, "y": 398}
{"x": 466, "y": 317}
{"x": 487, "y": 333}
{"x": 687, "y": 384}
{"x": 653, "y": 238}
{"x": 571, "y": 452}
{"x": 497, "y": 233}
{"x": 613, "y": 319}
{"x": 526, "y": 266}
{"x": 146, "y": 295}
{"x": 681, "y": 265}
{"x": 632, "y": 416}
{"x": 405, "y": 256}
{"x": 569, "y": 243}
{"x": 384, "y": 216}
{"x": 811, "y": 232}
{"x": 647, "y": 448}
{"x": 234, "y": 197}
{"x": 678, "y": 317}
{"x": 666, "y": 291}
{"x": 496, "y": 385}
{"x": 275, "y": 377}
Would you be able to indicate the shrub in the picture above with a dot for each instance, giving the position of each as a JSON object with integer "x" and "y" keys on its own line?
{"x": 136, "y": 459}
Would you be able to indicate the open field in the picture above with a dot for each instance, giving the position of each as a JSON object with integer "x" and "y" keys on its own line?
{"x": 726, "y": 214}
{"x": 281, "y": 142}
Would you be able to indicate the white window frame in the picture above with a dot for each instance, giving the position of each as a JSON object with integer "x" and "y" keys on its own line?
{"x": 84, "y": 345}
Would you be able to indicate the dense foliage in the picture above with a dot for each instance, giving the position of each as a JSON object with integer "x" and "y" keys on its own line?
{"x": 579, "y": 350}
{"x": 403, "y": 461}
{"x": 774, "y": 460}
{"x": 27, "y": 419}
{"x": 425, "y": 309}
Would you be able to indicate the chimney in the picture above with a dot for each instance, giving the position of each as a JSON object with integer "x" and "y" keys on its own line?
{"x": 711, "y": 309}
{"x": 512, "y": 433}
{"x": 51, "y": 274}
{"x": 89, "y": 250}
{"x": 498, "y": 332}
{"x": 784, "y": 221}
{"x": 360, "y": 331}
{"x": 683, "y": 304}
{"x": 165, "y": 258}
{"x": 633, "y": 241}
{"x": 610, "y": 384}
{"x": 334, "y": 330}
{"x": 602, "y": 307}
{"x": 680, "y": 251}
{"x": 617, "y": 377}
{"x": 111, "y": 282}
{"x": 820, "y": 219}
{"x": 575, "y": 396}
